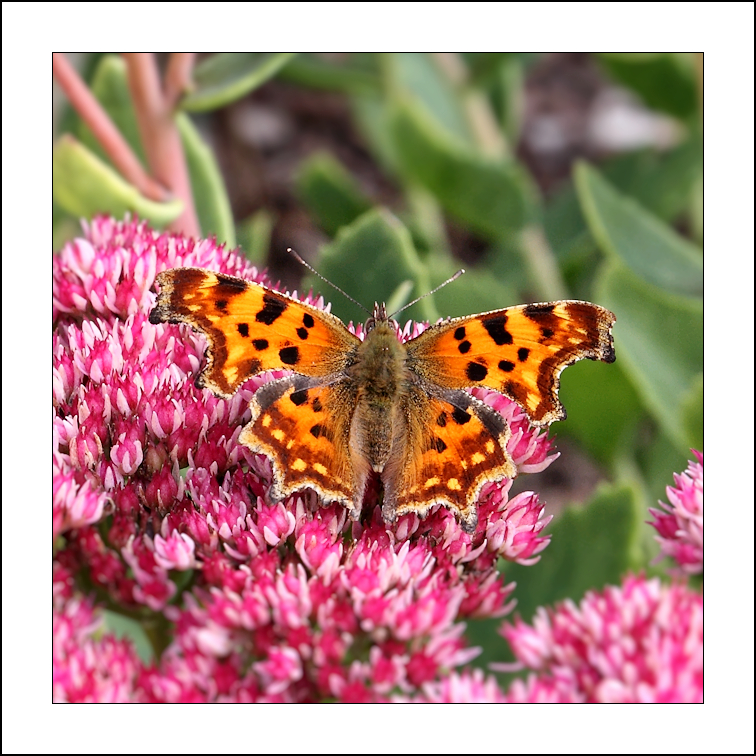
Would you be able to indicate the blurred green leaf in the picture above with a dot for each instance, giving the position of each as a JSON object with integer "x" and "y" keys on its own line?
{"x": 348, "y": 76}
{"x": 418, "y": 78}
{"x": 211, "y": 201}
{"x": 660, "y": 458}
{"x": 659, "y": 339}
{"x": 131, "y": 630}
{"x": 370, "y": 259}
{"x": 692, "y": 414}
{"x": 660, "y": 182}
{"x": 227, "y": 77}
{"x": 591, "y": 546}
{"x": 84, "y": 185}
{"x": 510, "y": 98}
{"x": 371, "y": 115}
{"x": 477, "y": 291}
{"x": 329, "y": 192}
{"x": 494, "y": 198}
{"x": 602, "y": 405}
{"x": 664, "y": 81}
{"x": 254, "y": 236}
{"x": 624, "y": 229}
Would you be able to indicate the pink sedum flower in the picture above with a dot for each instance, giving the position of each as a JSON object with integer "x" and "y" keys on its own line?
{"x": 465, "y": 687}
{"x": 638, "y": 642}
{"x": 680, "y": 523}
{"x": 158, "y": 506}
{"x": 88, "y": 667}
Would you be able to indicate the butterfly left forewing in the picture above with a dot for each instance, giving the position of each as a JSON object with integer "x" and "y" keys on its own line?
{"x": 518, "y": 351}
{"x": 251, "y": 329}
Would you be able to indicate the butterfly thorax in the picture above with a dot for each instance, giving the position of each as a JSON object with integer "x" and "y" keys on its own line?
{"x": 380, "y": 378}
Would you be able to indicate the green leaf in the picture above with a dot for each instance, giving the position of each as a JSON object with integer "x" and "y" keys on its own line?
{"x": 348, "y": 77}
{"x": 625, "y": 230}
{"x": 132, "y": 630}
{"x": 659, "y": 459}
{"x": 659, "y": 340}
{"x": 477, "y": 291}
{"x": 665, "y": 81}
{"x": 84, "y": 185}
{"x": 227, "y": 77}
{"x": 254, "y": 236}
{"x": 494, "y": 198}
{"x": 329, "y": 192}
{"x": 602, "y": 407}
{"x": 370, "y": 259}
{"x": 692, "y": 414}
{"x": 418, "y": 78}
{"x": 660, "y": 182}
{"x": 211, "y": 201}
{"x": 591, "y": 546}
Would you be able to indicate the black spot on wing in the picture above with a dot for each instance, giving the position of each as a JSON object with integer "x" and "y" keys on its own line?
{"x": 496, "y": 327}
{"x": 506, "y": 366}
{"x": 475, "y": 371}
{"x": 243, "y": 329}
{"x": 523, "y": 354}
{"x": 299, "y": 397}
{"x": 308, "y": 320}
{"x": 289, "y": 355}
{"x": 538, "y": 311}
{"x": 459, "y": 416}
{"x": 260, "y": 344}
{"x": 273, "y": 308}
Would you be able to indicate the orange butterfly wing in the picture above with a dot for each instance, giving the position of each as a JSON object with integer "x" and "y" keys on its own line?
{"x": 304, "y": 430}
{"x": 250, "y": 328}
{"x": 518, "y": 351}
{"x": 450, "y": 452}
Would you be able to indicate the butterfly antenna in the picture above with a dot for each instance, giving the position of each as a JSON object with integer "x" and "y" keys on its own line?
{"x": 323, "y": 278}
{"x": 440, "y": 286}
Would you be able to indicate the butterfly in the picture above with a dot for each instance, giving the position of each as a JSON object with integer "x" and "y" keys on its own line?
{"x": 352, "y": 408}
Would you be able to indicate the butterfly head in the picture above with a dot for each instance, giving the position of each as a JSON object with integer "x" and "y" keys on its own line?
{"x": 380, "y": 315}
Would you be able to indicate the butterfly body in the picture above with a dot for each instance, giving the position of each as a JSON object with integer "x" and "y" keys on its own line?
{"x": 353, "y": 408}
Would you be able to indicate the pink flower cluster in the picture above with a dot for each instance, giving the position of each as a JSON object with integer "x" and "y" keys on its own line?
{"x": 87, "y": 668}
{"x": 158, "y": 508}
{"x": 680, "y": 523}
{"x": 639, "y": 642}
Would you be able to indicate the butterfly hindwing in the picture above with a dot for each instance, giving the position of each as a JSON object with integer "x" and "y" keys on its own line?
{"x": 304, "y": 428}
{"x": 251, "y": 329}
{"x": 519, "y": 351}
{"x": 454, "y": 445}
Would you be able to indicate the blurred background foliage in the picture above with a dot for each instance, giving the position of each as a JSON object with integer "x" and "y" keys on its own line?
{"x": 547, "y": 176}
